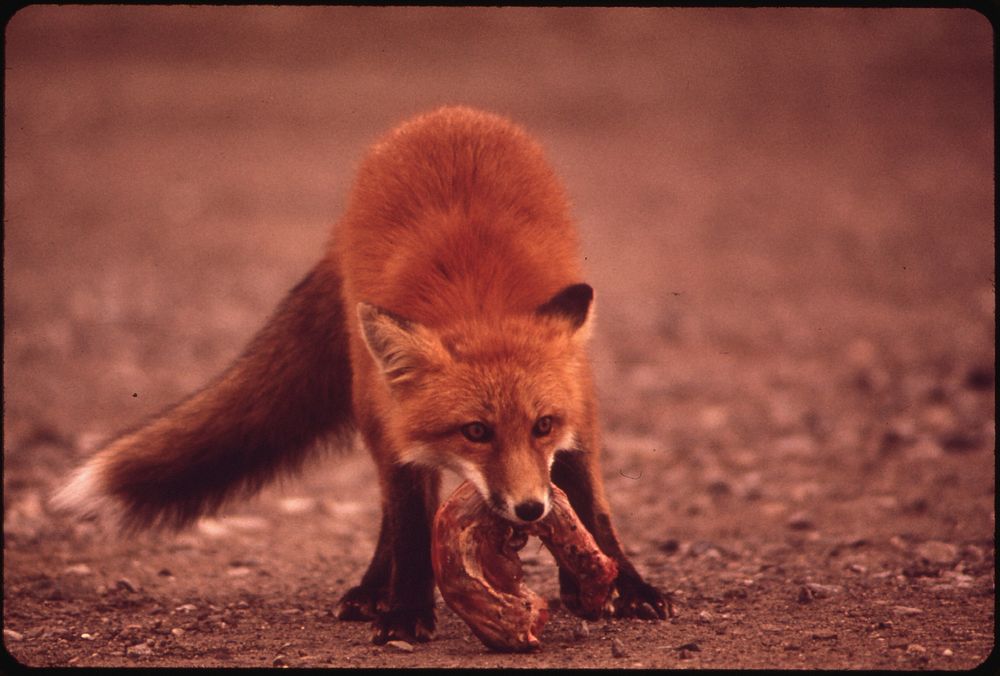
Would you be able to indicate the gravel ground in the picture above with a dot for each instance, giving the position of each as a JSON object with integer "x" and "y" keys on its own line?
{"x": 788, "y": 218}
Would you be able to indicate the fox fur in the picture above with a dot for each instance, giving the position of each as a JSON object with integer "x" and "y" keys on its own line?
{"x": 447, "y": 323}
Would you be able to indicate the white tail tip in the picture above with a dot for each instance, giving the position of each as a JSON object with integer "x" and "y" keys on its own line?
{"x": 83, "y": 495}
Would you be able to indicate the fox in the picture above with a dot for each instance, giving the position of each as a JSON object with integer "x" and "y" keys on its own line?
{"x": 447, "y": 326}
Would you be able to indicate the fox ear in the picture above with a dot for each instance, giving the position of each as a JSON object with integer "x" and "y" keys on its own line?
{"x": 573, "y": 304}
{"x": 400, "y": 347}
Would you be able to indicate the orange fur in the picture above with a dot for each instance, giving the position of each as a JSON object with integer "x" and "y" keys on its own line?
{"x": 449, "y": 296}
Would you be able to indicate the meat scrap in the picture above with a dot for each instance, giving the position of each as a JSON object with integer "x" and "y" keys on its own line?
{"x": 474, "y": 553}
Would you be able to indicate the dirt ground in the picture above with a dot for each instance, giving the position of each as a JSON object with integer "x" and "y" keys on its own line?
{"x": 788, "y": 218}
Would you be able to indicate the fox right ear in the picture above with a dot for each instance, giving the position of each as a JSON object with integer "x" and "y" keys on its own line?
{"x": 400, "y": 347}
{"x": 573, "y": 304}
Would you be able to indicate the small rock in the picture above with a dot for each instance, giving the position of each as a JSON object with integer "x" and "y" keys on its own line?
{"x": 164, "y": 572}
{"x": 937, "y": 552}
{"x": 704, "y": 548}
{"x": 705, "y": 616}
{"x": 186, "y": 608}
{"x": 805, "y": 594}
{"x": 617, "y": 648}
{"x": 820, "y": 591}
{"x": 669, "y": 546}
{"x": 139, "y": 650}
{"x": 77, "y": 569}
{"x": 824, "y": 635}
{"x": 800, "y": 521}
{"x": 11, "y": 635}
{"x": 684, "y": 654}
{"x": 279, "y": 661}
{"x": 177, "y": 631}
{"x": 718, "y": 488}
{"x": 947, "y": 652}
{"x": 916, "y": 648}
{"x": 906, "y": 610}
{"x": 401, "y": 646}
{"x": 960, "y": 442}
{"x": 980, "y": 378}
{"x": 582, "y": 630}
{"x": 126, "y": 584}
{"x": 87, "y": 637}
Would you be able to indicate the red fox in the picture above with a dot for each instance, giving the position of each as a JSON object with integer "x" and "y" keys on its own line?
{"x": 447, "y": 324}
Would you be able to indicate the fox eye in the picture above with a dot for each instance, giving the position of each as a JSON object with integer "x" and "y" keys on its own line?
{"x": 542, "y": 426}
{"x": 477, "y": 432}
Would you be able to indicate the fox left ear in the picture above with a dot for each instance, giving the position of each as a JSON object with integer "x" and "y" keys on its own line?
{"x": 400, "y": 347}
{"x": 573, "y": 304}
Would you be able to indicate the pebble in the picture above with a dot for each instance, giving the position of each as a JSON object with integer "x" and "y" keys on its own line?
{"x": 960, "y": 442}
{"x": 980, "y": 378}
{"x": 824, "y": 635}
{"x": 937, "y": 552}
{"x": 906, "y": 610}
{"x": 617, "y": 648}
{"x": 139, "y": 650}
{"x": 401, "y": 646}
{"x": 582, "y": 630}
{"x": 77, "y": 569}
{"x": 126, "y": 584}
{"x": 278, "y": 661}
{"x": 823, "y": 590}
{"x": 11, "y": 635}
{"x": 177, "y": 631}
{"x": 947, "y": 652}
{"x": 915, "y": 648}
{"x": 800, "y": 521}
{"x": 186, "y": 608}
{"x": 669, "y": 546}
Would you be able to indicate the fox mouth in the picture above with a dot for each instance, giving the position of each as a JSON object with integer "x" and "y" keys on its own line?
{"x": 498, "y": 505}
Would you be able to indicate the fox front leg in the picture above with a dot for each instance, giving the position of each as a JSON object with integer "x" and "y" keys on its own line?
{"x": 410, "y": 505}
{"x": 634, "y": 597}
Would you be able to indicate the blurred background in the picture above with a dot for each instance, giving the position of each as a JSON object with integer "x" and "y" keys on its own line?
{"x": 171, "y": 171}
{"x": 787, "y": 215}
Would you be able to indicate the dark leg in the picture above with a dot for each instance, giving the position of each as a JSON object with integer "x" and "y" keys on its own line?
{"x": 365, "y": 600}
{"x": 574, "y": 474}
{"x": 412, "y": 501}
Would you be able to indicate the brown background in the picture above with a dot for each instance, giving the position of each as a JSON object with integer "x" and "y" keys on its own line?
{"x": 788, "y": 217}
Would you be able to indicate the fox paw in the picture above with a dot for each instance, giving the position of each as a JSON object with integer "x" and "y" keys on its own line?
{"x": 360, "y": 604}
{"x": 636, "y": 598}
{"x": 405, "y": 624}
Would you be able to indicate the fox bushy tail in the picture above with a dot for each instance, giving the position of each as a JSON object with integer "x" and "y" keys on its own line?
{"x": 262, "y": 417}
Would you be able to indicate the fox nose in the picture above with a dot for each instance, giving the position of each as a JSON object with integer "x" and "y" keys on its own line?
{"x": 529, "y": 510}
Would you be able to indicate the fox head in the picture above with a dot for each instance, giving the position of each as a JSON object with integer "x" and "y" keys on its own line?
{"x": 492, "y": 399}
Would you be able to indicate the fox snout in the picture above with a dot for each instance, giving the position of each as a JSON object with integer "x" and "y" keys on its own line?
{"x": 523, "y": 510}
